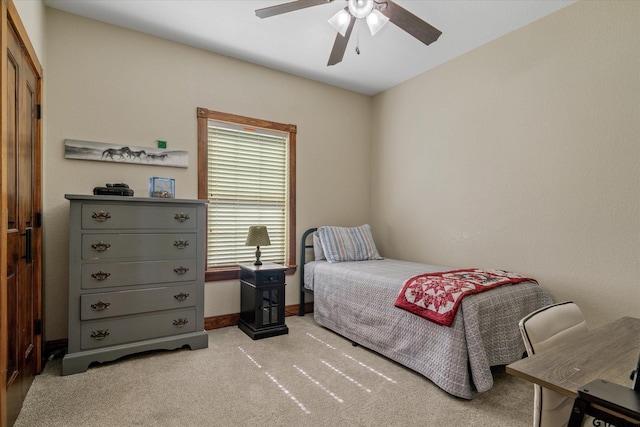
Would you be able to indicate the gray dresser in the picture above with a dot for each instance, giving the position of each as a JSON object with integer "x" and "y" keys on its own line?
{"x": 136, "y": 277}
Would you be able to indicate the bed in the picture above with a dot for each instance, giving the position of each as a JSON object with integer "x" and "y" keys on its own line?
{"x": 356, "y": 300}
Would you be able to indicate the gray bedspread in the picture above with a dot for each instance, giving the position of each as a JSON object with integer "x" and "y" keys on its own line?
{"x": 356, "y": 300}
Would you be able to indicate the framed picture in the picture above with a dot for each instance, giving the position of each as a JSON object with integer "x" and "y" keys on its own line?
{"x": 162, "y": 187}
{"x": 105, "y": 152}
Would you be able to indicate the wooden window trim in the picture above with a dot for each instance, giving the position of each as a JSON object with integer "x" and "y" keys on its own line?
{"x": 203, "y": 116}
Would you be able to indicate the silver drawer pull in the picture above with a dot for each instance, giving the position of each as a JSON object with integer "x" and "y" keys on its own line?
{"x": 181, "y": 217}
{"x": 100, "y": 306}
{"x": 100, "y": 334}
{"x": 100, "y": 246}
{"x": 181, "y": 296}
{"x": 181, "y": 244}
{"x": 181, "y": 270}
{"x": 179, "y": 323}
{"x": 101, "y": 216}
{"x": 100, "y": 275}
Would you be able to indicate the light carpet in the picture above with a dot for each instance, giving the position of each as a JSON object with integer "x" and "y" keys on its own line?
{"x": 310, "y": 377}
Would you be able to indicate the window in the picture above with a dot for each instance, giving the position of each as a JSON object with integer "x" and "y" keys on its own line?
{"x": 246, "y": 169}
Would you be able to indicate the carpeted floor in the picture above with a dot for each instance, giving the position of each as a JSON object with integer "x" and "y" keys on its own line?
{"x": 310, "y": 377}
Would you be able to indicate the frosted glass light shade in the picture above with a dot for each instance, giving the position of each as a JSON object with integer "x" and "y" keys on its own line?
{"x": 360, "y": 8}
{"x": 375, "y": 21}
{"x": 340, "y": 21}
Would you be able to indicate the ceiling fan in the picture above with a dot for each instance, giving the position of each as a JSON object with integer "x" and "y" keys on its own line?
{"x": 376, "y": 13}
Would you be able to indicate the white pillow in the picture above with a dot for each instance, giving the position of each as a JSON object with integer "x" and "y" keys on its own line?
{"x": 348, "y": 243}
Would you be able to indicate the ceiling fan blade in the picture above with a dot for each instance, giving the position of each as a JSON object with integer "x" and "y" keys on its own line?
{"x": 340, "y": 45}
{"x": 288, "y": 7}
{"x": 410, "y": 23}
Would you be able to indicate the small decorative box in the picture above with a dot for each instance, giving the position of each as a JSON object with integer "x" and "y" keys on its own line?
{"x": 162, "y": 187}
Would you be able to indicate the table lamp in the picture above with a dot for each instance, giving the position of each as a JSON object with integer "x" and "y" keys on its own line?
{"x": 258, "y": 236}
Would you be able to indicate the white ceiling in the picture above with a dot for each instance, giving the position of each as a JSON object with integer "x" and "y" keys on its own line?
{"x": 300, "y": 42}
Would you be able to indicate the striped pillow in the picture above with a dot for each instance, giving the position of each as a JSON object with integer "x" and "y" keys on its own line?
{"x": 318, "y": 253}
{"x": 348, "y": 243}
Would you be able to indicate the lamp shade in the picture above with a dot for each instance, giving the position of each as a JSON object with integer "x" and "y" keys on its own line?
{"x": 258, "y": 236}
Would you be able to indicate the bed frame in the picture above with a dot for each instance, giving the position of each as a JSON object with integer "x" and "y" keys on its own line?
{"x": 304, "y": 246}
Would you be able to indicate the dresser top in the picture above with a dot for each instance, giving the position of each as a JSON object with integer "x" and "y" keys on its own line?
{"x": 91, "y": 198}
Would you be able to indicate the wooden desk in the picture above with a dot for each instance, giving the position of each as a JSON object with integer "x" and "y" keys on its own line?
{"x": 609, "y": 353}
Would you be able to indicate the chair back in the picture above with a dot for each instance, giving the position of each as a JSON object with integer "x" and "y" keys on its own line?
{"x": 541, "y": 330}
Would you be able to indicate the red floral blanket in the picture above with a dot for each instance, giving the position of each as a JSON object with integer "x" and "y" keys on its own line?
{"x": 436, "y": 296}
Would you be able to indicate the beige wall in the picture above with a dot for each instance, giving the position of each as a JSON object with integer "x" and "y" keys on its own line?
{"x": 32, "y": 15}
{"x": 523, "y": 154}
{"x": 108, "y": 84}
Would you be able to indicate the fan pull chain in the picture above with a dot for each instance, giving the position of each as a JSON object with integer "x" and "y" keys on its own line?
{"x": 358, "y": 39}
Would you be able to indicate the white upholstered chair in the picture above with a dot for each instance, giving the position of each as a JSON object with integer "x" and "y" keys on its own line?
{"x": 543, "y": 329}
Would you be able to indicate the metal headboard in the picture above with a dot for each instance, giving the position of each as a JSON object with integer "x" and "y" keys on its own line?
{"x": 303, "y": 255}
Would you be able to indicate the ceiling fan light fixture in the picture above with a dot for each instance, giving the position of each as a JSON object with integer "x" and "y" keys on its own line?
{"x": 360, "y": 8}
{"x": 375, "y": 21}
{"x": 340, "y": 21}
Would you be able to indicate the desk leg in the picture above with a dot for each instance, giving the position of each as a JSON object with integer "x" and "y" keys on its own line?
{"x": 577, "y": 413}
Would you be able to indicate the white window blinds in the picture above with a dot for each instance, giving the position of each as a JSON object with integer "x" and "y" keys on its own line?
{"x": 247, "y": 185}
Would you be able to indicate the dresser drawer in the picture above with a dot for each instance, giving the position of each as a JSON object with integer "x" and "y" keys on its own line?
{"x": 103, "y": 333}
{"x": 115, "y": 274}
{"x": 107, "y": 216}
{"x": 139, "y": 246}
{"x": 110, "y": 304}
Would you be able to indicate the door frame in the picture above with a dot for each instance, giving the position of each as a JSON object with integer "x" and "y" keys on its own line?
{"x": 9, "y": 17}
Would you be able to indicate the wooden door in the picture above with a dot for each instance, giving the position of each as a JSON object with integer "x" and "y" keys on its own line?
{"x": 23, "y": 283}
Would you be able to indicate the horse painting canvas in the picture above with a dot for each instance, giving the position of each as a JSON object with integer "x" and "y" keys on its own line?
{"x": 105, "y": 152}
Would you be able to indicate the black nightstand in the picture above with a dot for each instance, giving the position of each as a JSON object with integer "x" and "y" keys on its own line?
{"x": 262, "y": 300}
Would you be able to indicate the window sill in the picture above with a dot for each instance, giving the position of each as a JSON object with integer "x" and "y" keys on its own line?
{"x": 233, "y": 273}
